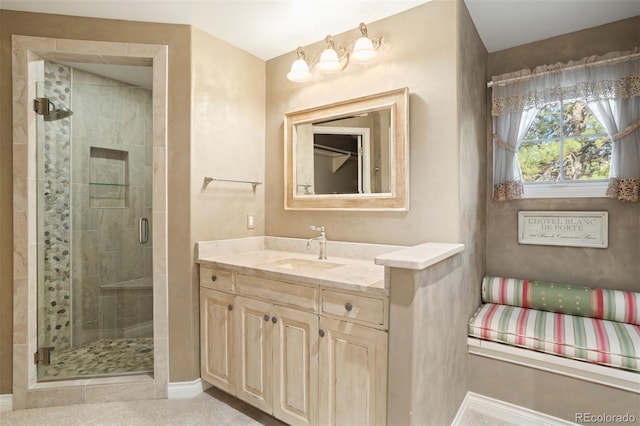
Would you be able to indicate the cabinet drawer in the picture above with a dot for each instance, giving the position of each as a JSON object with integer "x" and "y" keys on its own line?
{"x": 217, "y": 279}
{"x": 347, "y": 305}
{"x": 279, "y": 292}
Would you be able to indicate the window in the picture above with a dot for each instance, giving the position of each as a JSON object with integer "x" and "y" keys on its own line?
{"x": 550, "y": 128}
{"x": 565, "y": 153}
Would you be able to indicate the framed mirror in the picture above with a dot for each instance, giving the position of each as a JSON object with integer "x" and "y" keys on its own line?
{"x": 350, "y": 155}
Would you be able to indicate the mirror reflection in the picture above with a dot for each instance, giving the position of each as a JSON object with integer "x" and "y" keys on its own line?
{"x": 347, "y": 155}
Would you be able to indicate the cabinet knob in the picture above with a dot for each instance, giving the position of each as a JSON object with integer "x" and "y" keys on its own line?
{"x": 274, "y": 320}
{"x": 230, "y": 307}
{"x": 348, "y": 306}
{"x": 266, "y": 317}
{"x": 321, "y": 332}
{"x": 214, "y": 277}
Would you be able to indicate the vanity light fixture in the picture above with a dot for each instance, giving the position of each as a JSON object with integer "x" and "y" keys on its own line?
{"x": 334, "y": 59}
{"x": 299, "y": 69}
{"x": 364, "y": 51}
{"x": 329, "y": 61}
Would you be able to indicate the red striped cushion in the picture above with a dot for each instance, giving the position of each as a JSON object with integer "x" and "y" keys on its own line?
{"x": 507, "y": 291}
{"x": 594, "y": 340}
{"x": 616, "y": 305}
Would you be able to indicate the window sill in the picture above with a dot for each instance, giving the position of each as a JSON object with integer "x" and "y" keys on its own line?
{"x": 596, "y": 189}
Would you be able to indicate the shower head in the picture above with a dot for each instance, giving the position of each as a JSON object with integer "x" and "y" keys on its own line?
{"x": 58, "y": 114}
{"x": 46, "y": 108}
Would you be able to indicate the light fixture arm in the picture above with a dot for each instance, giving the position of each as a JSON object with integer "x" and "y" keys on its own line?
{"x": 363, "y": 29}
{"x": 300, "y": 53}
{"x": 330, "y": 43}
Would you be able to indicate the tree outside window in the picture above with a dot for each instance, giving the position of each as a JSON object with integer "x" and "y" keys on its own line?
{"x": 565, "y": 144}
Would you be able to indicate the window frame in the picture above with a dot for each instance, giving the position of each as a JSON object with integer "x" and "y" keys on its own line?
{"x": 562, "y": 188}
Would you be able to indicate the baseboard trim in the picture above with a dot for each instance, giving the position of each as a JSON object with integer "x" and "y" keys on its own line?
{"x": 505, "y": 411}
{"x": 183, "y": 390}
{"x": 6, "y": 402}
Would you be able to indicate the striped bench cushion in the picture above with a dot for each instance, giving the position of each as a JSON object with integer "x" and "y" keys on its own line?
{"x": 613, "y": 305}
{"x": 594, "y": 340}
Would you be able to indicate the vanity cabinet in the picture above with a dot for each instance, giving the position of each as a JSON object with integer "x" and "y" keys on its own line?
{"x": 353, "y": 378}
{"x": 307, "y": 354}
{"x": 277, "y": 360}
{"x": 352, "y": 358}
{"x": 217, "y": 339}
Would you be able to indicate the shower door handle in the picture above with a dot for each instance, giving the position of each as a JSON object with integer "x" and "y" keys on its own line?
{"x": 143, "y": 230}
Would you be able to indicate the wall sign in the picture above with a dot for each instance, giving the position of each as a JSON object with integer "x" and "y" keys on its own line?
{"x": 571, "y": 229}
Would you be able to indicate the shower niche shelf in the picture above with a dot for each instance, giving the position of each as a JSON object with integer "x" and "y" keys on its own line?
{"x": 107, "y": 184}
{"x": 108, "y": 178}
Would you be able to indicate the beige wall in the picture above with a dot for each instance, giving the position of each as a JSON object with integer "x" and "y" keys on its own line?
{"x": 463, "y": 292}
{"x": 472, "y": 97}
{"x": 227, "y": 133}
{"x": 429, "y": 309}
{"x": 546, "y": 392}
{"x": 227, "y": 141}
{"x": 6, "y": 213}
{"x": 211, "y": 78}
{"x": 614, "y": 267}
{"x": 421, "y": 54}
{"x": 427, "y": 378}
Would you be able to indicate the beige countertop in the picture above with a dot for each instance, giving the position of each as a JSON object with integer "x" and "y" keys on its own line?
{"x": 419, "y": 257}
{"x": 355, "y": 266}
{"x": 337, "y": 272}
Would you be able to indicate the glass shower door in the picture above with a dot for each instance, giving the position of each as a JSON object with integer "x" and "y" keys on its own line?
{"x": 95, "y": 296}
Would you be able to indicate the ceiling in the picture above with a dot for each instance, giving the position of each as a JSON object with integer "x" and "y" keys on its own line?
{"x": 270, "y": 28}
{"x": 508, "y": 23}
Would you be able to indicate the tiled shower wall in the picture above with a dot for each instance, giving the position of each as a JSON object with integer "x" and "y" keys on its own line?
{"x": 84, "y": 250}
{"x": 111, "y": 191}
{"x": 54, "y": 224}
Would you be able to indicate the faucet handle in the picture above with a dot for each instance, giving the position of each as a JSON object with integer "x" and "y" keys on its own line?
{"x": 317, "y": 228}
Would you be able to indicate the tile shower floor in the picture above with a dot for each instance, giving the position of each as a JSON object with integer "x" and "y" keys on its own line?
{"x": 100, "y": 358}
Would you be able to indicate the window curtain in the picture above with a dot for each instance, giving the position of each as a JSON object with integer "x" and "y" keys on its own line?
{"x": 614, "y": 99}
{"x": 508, "y": 132}
{"x": 609, "y": 84}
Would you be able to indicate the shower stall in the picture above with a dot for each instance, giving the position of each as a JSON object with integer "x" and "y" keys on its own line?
{"x": 94, "y": 207}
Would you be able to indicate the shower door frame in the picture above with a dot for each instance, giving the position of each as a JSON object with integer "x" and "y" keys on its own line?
{"x": 27, "y": 392}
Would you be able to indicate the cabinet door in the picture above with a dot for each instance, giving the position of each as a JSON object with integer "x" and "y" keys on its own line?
{"x": 254, "y": 348}
{"x": 295, "y": 366}
{"x": 353, "y": 374}
{"x": 216, "y": 339}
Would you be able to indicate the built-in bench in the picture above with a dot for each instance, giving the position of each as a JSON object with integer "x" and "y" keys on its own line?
{"x": 587, "y": 333}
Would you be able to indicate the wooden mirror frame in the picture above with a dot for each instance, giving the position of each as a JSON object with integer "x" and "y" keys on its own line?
{"x": 397, "y": 199}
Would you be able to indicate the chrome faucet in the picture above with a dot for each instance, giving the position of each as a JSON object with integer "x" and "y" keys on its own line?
{"x": 322, "y": 241}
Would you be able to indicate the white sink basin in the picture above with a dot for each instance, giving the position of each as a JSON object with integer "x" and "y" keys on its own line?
{"x": 303, "y": 265}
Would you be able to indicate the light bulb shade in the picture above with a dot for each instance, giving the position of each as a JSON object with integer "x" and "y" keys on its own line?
{"x": 329, "y": 61}
{"x": 363, "y": 51}
{"x": 299, "y": 71}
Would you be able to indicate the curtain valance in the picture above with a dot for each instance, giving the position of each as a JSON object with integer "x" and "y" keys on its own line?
{"x": 612, "y": 76}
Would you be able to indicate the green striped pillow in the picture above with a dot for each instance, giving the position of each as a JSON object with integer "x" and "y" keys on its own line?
{"x": 614, "y": 305}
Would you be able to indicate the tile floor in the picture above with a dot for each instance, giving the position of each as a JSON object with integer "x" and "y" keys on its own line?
{"x": 213, "y": 407}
